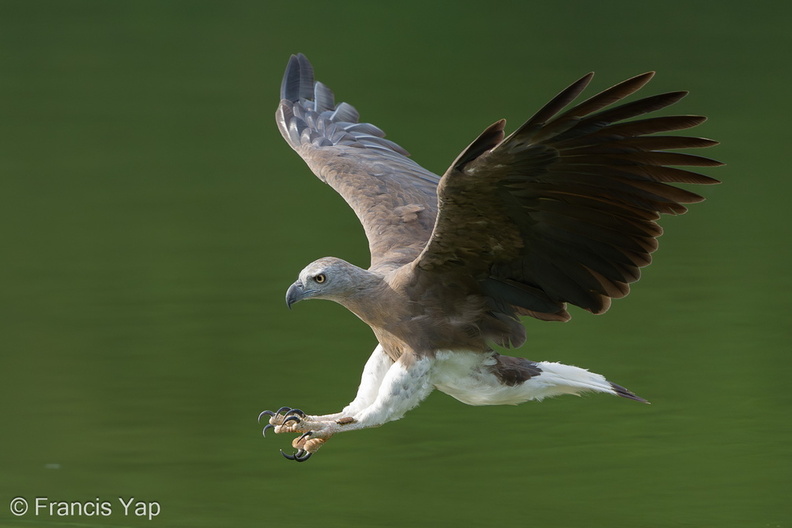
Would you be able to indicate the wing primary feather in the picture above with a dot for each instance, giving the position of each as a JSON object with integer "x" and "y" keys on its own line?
{"x": 665, "y": 142}
{"x": 575, "y": 123}
{"x": 639, "y": 107}
{"x": 323, "y": 98}
{"x": 653, "y": 125}
{"x": 306, "y": 77}
{"x": 609, "y": 96}
{"x": 556, "y": 104}
{"x": 345, "y": 113}
{"x": 298, "y": 80}
{"x": 487, "y": 140}
{"x": 639, "y": 157}
{"x": 364, "y": 128}
{"x": 290, "y": 85}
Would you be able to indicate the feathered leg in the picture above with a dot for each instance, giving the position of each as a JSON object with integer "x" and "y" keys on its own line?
{"x": 403, "y": 385}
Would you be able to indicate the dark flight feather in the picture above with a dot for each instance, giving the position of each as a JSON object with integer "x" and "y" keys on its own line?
{"x": 564, "y": 209}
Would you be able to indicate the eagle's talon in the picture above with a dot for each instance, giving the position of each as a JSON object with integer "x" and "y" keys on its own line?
{"x": 291, "y": 418}
{"x": 268, "y": 426}
{"x": 268, "y": 413}
{"x": 304, "y": 436}
{"x": 300, "y": 456}
{"x": 283, "y": 410}
{"x": 297, "y": 412}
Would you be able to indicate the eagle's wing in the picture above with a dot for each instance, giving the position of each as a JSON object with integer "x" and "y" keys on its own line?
{"x": 394, "y": 197}
{"x": 564, "y": 209}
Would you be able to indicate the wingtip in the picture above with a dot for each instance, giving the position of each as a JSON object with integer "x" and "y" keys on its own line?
{"x": 585, "y": 80}
{"x": 641, "y": 79}
{"x": 298, "y": 80}
{"x": 697, "y": 119}
{"x": 677, "y": 95}
{"x": 635, "y": 83}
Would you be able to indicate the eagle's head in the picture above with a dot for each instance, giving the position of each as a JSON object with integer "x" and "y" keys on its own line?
{"x": 327, "y": 278}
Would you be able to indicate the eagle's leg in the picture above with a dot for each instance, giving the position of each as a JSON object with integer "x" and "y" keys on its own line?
{"x": 373, "y": 373}
{"x": 403, "y": 386}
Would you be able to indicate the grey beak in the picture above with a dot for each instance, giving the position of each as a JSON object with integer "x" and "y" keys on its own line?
{"x": 294, "y": 294}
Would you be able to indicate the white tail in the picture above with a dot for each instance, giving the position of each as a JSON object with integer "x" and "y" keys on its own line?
{"x": 557, "y": 378}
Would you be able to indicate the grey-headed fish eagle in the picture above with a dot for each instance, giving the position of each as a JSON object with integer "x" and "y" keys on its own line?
{"x": 562, "y": 210}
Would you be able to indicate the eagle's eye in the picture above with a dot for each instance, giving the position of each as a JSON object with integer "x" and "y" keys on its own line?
{"x": 319, "y": 279}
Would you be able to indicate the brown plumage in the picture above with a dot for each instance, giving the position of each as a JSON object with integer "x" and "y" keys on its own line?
{"x": 563, "y": 210}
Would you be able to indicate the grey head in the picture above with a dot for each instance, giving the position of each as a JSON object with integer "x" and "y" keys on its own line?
{"x": 332, "y": 279}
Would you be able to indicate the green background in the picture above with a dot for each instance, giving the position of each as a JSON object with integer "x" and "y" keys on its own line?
{"x": 152, "y": 219}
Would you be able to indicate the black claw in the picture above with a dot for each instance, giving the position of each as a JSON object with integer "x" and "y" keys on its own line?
{"x": 304, "y": 436}
{"x": 295, "y": 411}
{"x": 268, "y": 413}
{"x": 268, "y": 426}
{"x": 291, "y": 418}
{"x": 302, "y": 455}
{"x": 283, "y": 409}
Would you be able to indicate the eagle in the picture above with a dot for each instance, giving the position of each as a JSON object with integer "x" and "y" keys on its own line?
{"x": 562, "y": 211}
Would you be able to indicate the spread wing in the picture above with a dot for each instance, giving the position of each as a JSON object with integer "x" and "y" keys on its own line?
{"x": 393, "y": 197}
{"x": 564, "y": 210}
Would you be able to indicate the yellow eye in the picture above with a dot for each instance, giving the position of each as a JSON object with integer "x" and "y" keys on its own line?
{"x": 319, "y": 279}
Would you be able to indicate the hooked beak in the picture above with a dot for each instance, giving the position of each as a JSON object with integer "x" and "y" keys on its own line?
{"x": 295, "y": 293}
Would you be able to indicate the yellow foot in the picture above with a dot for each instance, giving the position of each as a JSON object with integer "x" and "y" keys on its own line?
{"x": 314, "y": 432}
{"x": 305, "y": 446}
{"x": 284, "y": 420}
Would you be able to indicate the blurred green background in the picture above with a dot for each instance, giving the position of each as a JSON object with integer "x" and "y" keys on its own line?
{"x": 152, "y": 219}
